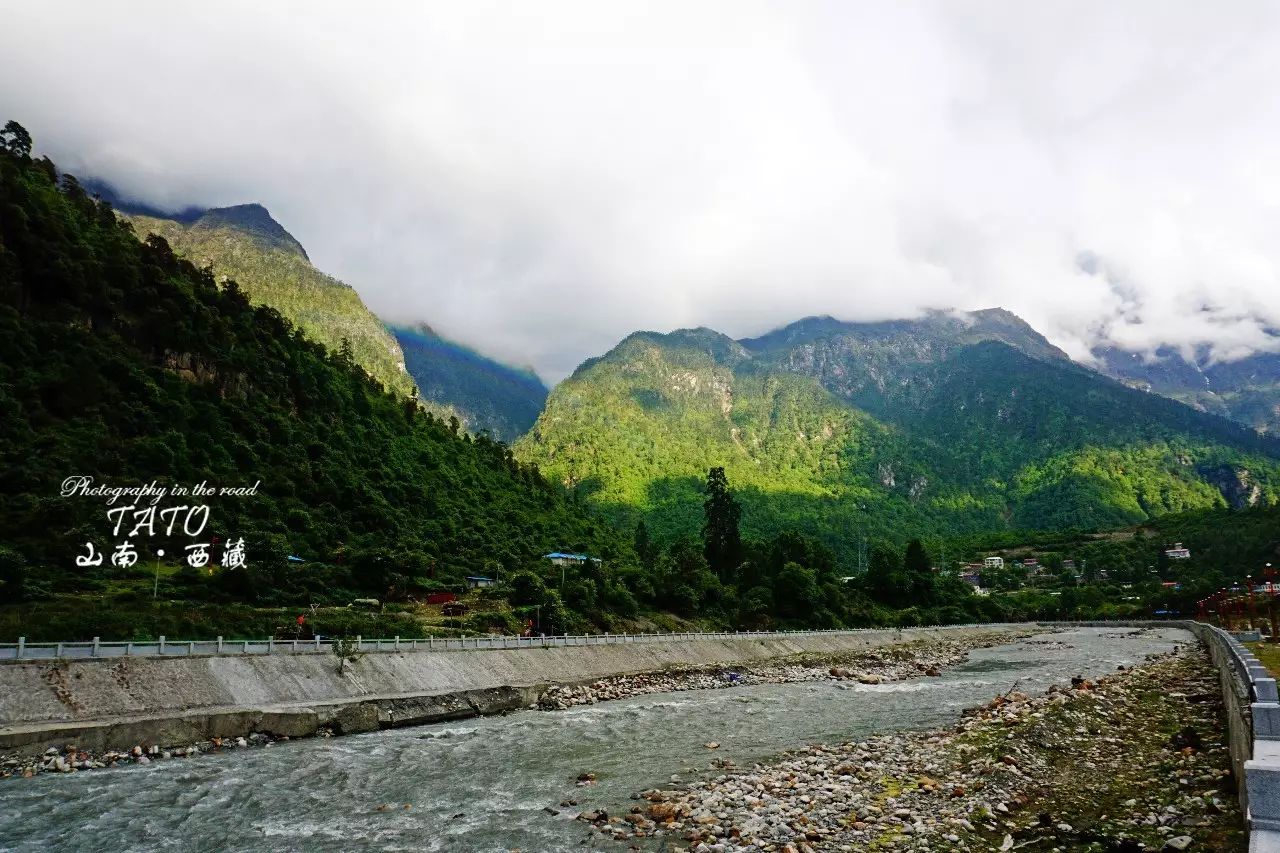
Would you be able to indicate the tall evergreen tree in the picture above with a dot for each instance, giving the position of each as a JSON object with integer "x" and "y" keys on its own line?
{"x": 722, "y": 541}
{"x": 886, "y": 581}
{"x": 644, "y": 546}
{"x": 919, "y": 573}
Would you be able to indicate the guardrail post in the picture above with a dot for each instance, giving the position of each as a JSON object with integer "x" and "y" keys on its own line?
{"x": 359, "y": 642}
{"x": 396, "y": 646}
{"x": 295, "y": 645}
{"x": 59, "y": 652}
{"x": 271, "y": 644}
{"x": 128, "y": 649}
{"x": 22, "y": 645}
{"x": 219, "y": 644}
{"x": 1262, "y": 780}
{"x": 191, "y": 647}
{"x": 245, "y": 649}
{"x": 161, "y": 644}
{"x": 96, "y": 642}
{"x": 431, "y": 643}
{"x": 317, "y": 638}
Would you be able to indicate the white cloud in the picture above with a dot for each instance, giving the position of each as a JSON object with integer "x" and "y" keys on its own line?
{"x": 541, "y": 179}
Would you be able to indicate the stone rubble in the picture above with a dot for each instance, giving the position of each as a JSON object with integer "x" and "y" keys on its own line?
{"x": 884, "y": 664}
{"x": 71, "y": 759}
{"x": 1133, "y": 762}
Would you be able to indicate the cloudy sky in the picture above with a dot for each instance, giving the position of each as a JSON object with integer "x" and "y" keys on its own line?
{"x": 539, "y": 179}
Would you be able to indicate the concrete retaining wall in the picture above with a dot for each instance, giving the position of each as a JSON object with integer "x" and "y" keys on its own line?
{"x": 117, "y": 703}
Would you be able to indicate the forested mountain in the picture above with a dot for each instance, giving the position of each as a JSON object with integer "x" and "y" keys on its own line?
{"x": 487, "y": 395}
{"x": 1246, "y": 390}
{"x": 244, "y": 243}
{"x": 947, "y": 424}
{"x": 122, "y": 361}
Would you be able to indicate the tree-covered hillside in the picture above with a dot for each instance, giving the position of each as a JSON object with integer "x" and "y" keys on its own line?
{"x": 245, "y": 244}
{"x": 121, "y": 361}
{"x": 846, "y": 431}
{"x": 487, "y": 395}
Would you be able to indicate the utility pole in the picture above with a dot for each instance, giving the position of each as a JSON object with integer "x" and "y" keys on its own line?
{"x": 155, "y": 587}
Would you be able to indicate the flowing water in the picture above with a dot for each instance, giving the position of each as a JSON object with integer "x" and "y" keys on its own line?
{"x": 483, "y": 784}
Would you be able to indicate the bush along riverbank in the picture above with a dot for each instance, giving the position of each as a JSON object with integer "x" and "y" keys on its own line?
{"x": 1135, "y": 762}
{"x": 886, "y": 663}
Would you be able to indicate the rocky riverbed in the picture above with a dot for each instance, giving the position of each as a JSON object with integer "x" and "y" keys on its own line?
{"x": 884, "y": 664}
{"x": 1133, "y": 762}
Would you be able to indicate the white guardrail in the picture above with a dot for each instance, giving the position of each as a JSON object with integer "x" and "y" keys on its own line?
{"x": 95, "y": 648}
{"x": 1261, "y": 766}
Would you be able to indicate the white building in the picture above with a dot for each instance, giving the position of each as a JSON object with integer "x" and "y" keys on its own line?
{"x": 993, "y": 563}
{"x": 1177, "y": 552}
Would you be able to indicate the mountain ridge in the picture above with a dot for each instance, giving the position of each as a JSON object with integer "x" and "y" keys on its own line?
{"x": 890, "y": 429}
{"x": 488, "y": 395}
{"x": 1246, "y": 390}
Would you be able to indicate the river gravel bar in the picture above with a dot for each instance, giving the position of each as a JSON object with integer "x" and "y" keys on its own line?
{"x": 1134, "y": 762}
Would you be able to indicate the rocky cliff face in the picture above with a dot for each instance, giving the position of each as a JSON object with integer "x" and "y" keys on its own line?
{"x": 1238, "y": 487}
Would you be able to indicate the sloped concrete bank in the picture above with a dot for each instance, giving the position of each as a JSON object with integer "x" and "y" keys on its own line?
{"x": 117, "y": 703}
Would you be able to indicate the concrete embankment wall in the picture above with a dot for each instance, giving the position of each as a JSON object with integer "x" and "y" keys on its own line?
{"x": 116, "y": 703}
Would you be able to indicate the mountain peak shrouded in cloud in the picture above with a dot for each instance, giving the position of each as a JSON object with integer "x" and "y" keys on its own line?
{"x": 542, "y": 182}
{"x": 251, "y": 219}
{"x": 255, "y": 220}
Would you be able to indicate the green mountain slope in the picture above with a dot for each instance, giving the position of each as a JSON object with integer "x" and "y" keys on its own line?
{"x": 244, "y": 243}
{"x": 488, "y": 396}
{"x": 121, "y": 361}
{"x": 943, "y": 425}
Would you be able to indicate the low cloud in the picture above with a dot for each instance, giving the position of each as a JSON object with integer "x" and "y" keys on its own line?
{"x": 541, "y": 179}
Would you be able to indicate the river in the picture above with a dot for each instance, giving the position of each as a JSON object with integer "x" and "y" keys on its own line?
{"x": 483, "y": 784}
